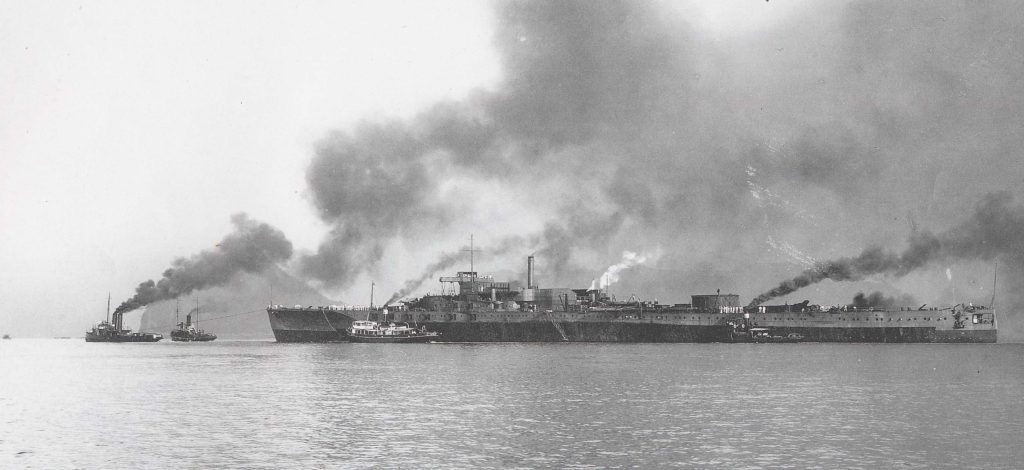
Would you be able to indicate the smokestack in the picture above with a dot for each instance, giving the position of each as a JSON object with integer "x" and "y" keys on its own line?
{"x": 529, "y": 272}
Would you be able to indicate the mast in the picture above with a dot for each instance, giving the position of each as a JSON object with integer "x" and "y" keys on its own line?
{"x": 177, "y": 304}
{"x": 371, "y": 302}
{"x": 995, "y": 273}
{"x": 472, "y": 269}
{"x": 108, "y": 307}
{"x": 197, "y": 311}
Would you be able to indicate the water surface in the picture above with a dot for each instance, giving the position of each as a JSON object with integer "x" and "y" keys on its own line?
{"x": 65, "y": 403}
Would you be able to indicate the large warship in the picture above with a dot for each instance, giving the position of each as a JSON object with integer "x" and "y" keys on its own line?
{"x": 474, "y": 308}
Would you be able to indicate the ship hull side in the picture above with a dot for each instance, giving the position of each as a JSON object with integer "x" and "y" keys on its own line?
{"x": 394, "y": 339}
{"x": 312, "y": 325}
{"x": 308, "y": 326}
{"x": 122, "y": 339}
{"x": 847, "y": 334}
{"x": 669, "y": 333}
{"x": 614, "y": 332}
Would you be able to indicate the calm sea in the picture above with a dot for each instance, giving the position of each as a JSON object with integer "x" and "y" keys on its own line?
{"x": 68, "y": 404}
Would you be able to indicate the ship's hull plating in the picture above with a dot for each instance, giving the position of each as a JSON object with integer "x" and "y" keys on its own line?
{"x": 188, "y": 338}
{"x": 131, "y": 338}
{"x": 394, "y": 339}
{"x": 310, "y": 325}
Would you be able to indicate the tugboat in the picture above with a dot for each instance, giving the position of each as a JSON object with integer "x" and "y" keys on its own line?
{"x": 373, "y": 332}
{"x": 746, "y": 332}
{"x": 763, "y": 335}
{"x": 7, "y": 336}
{"x": 187, "y": 331}
{"x": 107, "y": 332}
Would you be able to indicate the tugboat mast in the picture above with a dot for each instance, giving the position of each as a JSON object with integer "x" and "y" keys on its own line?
{"x": 371, "y": 302}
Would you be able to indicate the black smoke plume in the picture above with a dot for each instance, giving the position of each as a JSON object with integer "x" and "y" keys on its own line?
{"x": 447, "y": 260}
{"x": 585, "y": 83}
{"x": 880, "y": 300}
{"x": 822, "y": 129}
{"x": 992, "y": 231}
{"x": 253, "y": 247}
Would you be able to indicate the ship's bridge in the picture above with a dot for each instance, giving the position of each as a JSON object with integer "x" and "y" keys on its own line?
{"x": 471, "y": 282}
{"x": 467, "y": 276}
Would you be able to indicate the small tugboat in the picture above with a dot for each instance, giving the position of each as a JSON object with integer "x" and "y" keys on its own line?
{"x": 746, "y": 332}
{"x": 187, "y": 331}
{"x": 763, "y": 335}
{"x": 107, "y": 332}
{"x": 373, "y": 332}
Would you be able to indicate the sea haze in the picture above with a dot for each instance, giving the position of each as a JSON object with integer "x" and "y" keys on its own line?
{"x": 252, "y": 404}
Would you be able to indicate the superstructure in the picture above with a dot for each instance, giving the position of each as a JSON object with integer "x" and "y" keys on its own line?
{"x": 475, "y": 308}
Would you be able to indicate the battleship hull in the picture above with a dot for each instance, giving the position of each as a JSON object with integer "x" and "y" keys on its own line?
{"x": 309, "y": 325}
{"x": 478, "y": 308}
{"x": 321, "y": 325}
{"x": 598, "y": 332}
{"x": 889, "y": 335}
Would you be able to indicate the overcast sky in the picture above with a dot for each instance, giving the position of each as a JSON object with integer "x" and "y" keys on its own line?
{"x": 131, "y": 132}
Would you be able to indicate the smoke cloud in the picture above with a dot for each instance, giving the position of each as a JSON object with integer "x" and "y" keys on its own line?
{"x": 623, "y": 124}
{"x": 880, "y": 300}
{"x": 447, "y": 260}
{"x": 584, "y": 82}
{"x": 992, "y": 231}
{"x": 611, "y": 275}
{"x": 251, "y": 248}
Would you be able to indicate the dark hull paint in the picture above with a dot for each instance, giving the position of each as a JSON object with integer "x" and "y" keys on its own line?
{"x": 191, "y": 339}
{"x": 888, "y": 335}
{"x": 393, "y": 339}
{"x": 134, "y": 338}
{"x": 577, "y": 332}
{"x": 309, "y": 326}
{"x": 329, "y": 326}
{"x": 313, "y": 325}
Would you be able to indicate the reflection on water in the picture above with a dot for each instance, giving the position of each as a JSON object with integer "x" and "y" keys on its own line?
{"x": 66, "y": 403}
